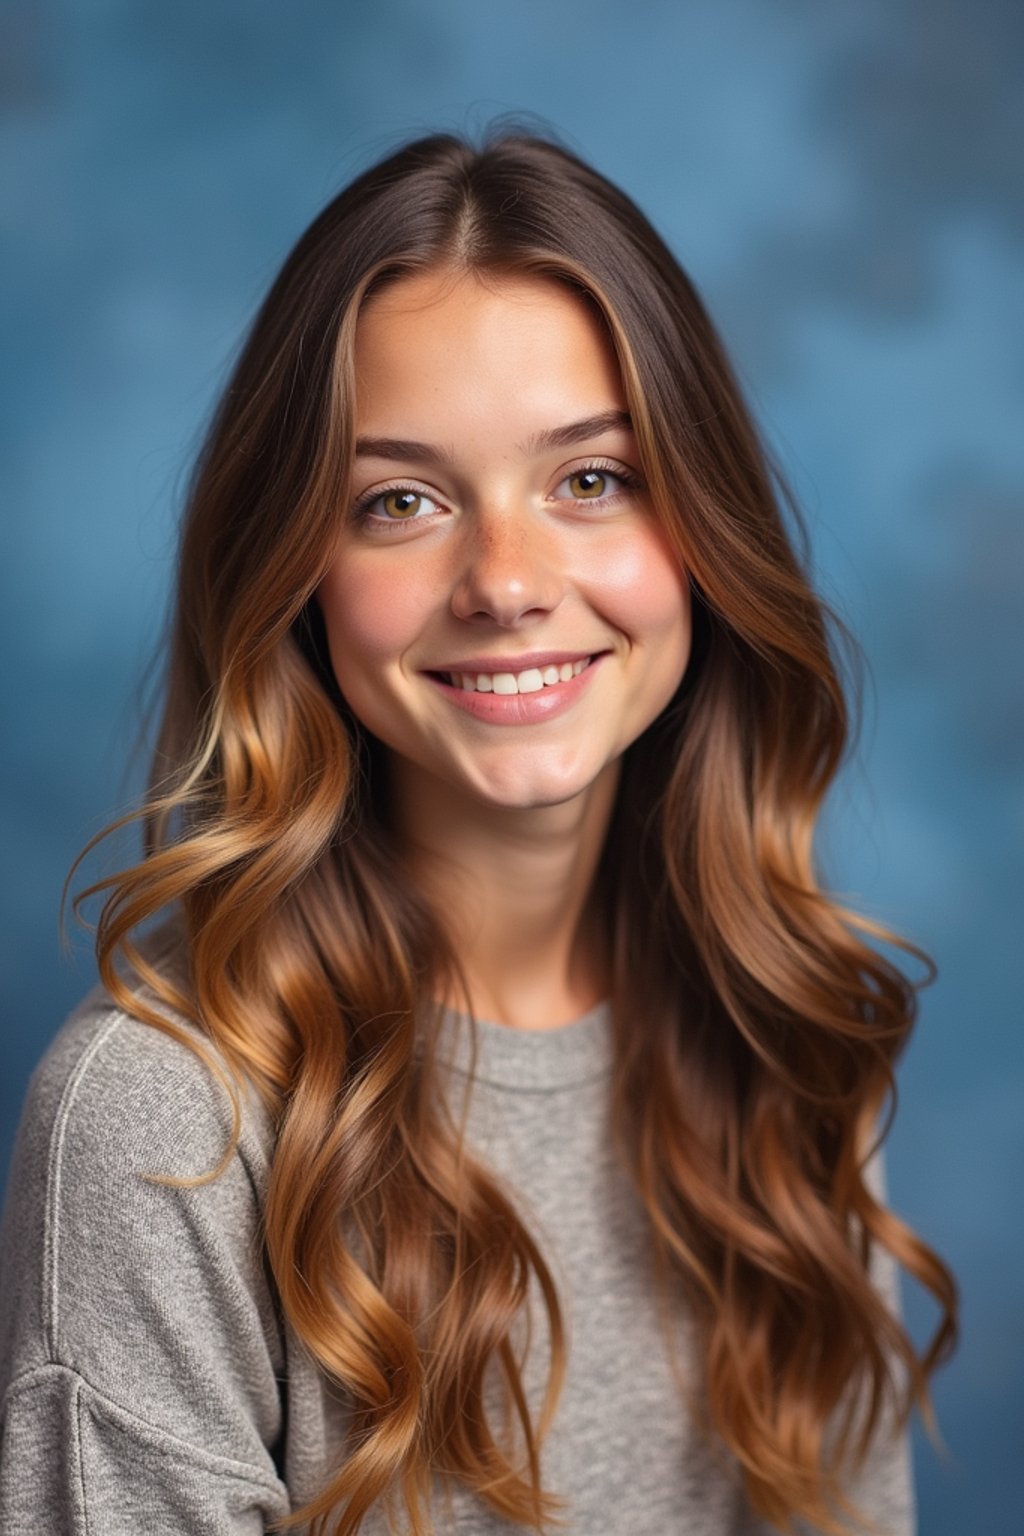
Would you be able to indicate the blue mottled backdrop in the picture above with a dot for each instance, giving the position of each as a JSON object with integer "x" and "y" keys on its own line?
{"x": 845, "y": 184}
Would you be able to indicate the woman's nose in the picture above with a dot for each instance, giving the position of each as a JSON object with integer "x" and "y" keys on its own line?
{"x": 509, "y": 569}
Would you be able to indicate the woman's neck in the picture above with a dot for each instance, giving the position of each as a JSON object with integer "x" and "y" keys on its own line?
{"x": 514, "y": 891}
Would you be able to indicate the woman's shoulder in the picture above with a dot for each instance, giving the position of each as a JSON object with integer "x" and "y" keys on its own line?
{"x": 135, "y": 1289}
{"x": 125, "y": 1089}
{"x": 109, "y": 1223}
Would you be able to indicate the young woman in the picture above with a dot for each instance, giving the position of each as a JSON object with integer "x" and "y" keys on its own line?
{"x": 488, "y": 1137}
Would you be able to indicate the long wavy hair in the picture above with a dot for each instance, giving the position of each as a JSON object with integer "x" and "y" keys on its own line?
{"x": 756, "y": 1028}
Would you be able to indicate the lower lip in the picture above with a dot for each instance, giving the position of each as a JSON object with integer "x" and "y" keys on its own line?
{"x": 520, "y": 708}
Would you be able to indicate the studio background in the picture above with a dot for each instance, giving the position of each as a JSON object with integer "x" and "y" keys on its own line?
{"x": 844, "y": 184}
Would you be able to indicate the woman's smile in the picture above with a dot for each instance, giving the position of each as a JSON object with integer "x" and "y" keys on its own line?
{"x": 518, "y": 697}
{"x": 500, "y": 565}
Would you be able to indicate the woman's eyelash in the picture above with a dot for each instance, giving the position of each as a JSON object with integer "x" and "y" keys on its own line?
{"x": 398, "y": 488}
{"x": 626, "y": 477}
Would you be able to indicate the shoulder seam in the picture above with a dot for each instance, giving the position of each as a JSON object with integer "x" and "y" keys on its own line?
{"x": 79, "y": 1458}
{"x": 159, "y": 1439}
{"x": 50, "y": 1309}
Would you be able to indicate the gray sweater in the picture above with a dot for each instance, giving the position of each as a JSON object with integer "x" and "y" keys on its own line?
{"x": 152, "y": 1386}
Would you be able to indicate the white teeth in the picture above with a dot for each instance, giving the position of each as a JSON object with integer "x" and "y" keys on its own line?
{"x": 531, "y": 680}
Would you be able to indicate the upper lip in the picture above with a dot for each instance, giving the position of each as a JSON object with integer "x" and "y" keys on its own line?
{"x": 522, "y": 663}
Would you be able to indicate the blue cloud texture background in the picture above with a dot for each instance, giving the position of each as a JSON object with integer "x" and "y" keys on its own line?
{"x": 844, "y": 185}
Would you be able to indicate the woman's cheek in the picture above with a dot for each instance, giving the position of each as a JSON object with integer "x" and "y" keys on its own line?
{"x": 372, "y": 612}
{"x": 641, "y": 585}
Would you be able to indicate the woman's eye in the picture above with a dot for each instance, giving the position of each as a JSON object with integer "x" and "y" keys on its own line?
{"x": 595, "y": 483}
{"x": 401, "y": 504}
{"x": 588, "y": 483}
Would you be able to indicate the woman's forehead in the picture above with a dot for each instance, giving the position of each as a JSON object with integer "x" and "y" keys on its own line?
{"x": 508, "y": 354}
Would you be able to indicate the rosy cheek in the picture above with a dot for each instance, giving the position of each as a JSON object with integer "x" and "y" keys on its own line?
{"x": 642, "y": 587}
{"x": 370, "y": 613}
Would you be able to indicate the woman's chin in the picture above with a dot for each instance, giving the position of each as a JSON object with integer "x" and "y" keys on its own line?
{"x": 531, "y": 785}
{"x": 504, "y": 781}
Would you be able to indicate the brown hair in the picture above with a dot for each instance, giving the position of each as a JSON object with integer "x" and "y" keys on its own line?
{"x": 756, "y": 1029}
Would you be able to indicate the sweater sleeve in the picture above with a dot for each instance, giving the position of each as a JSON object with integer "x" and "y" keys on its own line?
{"x": 140, "y": 1351}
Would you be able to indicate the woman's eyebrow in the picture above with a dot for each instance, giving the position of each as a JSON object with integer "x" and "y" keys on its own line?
{"x": 577, "y": 431}
{"x": 402, "y": 448}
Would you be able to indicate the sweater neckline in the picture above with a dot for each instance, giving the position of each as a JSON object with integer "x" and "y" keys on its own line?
{"x": 531, "y": 1059}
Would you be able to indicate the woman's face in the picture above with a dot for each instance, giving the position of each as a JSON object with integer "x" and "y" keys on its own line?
{"x": 503, "y": 610}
